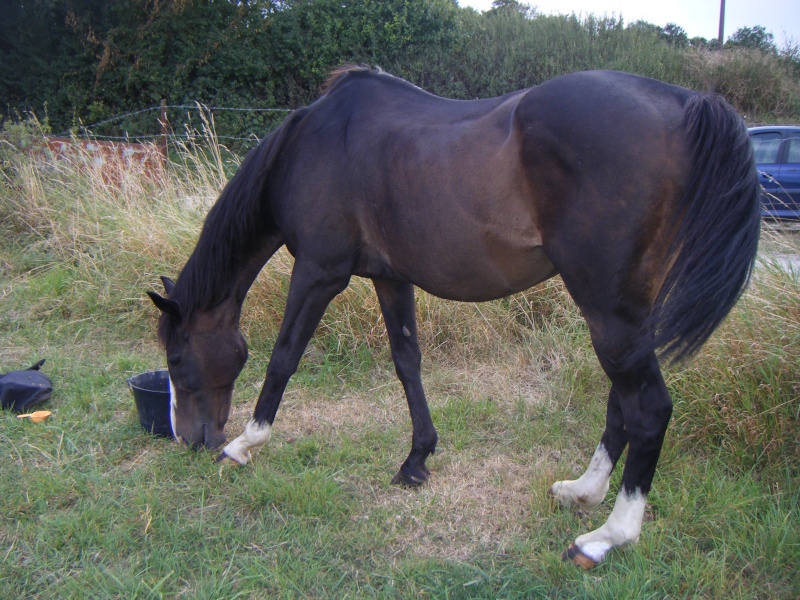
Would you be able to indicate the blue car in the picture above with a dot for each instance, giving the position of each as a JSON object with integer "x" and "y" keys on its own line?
{"x": 777, "y": 152}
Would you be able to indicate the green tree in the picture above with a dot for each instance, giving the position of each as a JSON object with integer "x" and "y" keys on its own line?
{"x": 752, "y": 37}
{"x": 89, "y": 60}
{"x": 702, "y": 43}
{"x": 645, "y": 26}
{"x": 675, "y": 35}
{"x": 42, "y": 59}
{"x": 672, "y": 34}
{"x": 307, "y": 39}
{"x": 526, "y": 10}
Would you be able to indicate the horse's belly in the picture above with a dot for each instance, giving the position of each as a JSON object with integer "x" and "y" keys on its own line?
{"x": 475, "y": 274}
{"x": 496, "y": 276}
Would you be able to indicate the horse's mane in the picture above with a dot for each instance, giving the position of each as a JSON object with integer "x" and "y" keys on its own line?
{"x": 233, "y": 228}
{"x": 239, "y": 219}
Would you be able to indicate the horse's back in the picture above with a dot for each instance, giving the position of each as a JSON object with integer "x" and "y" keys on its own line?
{"x": 460, "y": 197}
{"x": 601, "y": 133}
{"x": 413, "y": 187}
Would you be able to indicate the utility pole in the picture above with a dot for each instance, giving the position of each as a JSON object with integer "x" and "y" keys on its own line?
{"x": 721, "y": 38}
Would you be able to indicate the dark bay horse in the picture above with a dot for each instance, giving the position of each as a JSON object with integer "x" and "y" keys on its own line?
{"x": 643, "y": 196}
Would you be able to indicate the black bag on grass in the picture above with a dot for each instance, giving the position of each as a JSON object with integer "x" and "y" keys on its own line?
{"x": 19, "y": 390}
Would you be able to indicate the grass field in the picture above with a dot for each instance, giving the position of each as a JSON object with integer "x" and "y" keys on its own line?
{"x": 91, "y": 507}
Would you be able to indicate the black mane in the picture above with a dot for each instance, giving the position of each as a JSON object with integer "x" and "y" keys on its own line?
{"x": 232, "y": 229}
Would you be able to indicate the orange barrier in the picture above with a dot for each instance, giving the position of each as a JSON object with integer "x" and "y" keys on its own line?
{"x": 112, "y": 158}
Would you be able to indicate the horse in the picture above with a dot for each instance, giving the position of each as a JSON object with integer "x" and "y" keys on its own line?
{"x": 641, "y": 195}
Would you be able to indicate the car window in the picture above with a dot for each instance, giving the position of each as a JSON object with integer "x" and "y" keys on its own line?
{"x": 766, "y": 146}
{"x": 793, "y": 154}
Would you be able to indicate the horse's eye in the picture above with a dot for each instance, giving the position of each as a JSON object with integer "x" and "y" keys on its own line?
{"x": 174, "y": 361}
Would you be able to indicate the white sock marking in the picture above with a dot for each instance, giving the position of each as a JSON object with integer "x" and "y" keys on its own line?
{"x": 591, "y": 487}
{"x": 254, "y": 437}
{"x": 623, "y": 526}
{"x": 173, "y": 406}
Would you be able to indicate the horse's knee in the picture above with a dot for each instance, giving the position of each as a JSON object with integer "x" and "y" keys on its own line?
{"x": 407, "y": 363}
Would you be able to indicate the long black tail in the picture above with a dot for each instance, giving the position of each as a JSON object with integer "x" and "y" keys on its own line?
{"x": 715, "y": 245}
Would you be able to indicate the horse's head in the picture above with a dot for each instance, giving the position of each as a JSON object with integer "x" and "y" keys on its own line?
{"x": 205, "y": 355}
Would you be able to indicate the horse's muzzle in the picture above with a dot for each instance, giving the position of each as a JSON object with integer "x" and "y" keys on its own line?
{"x": 203, "y": 436}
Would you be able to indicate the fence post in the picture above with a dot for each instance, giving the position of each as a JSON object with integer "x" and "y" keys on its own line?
{"x": 163, "y": 121}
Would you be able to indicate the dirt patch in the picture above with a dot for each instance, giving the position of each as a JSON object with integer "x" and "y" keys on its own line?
{"x": 468, "y": 506}
{"x": 303, "y": 413}
{"x": 478, "y": 500}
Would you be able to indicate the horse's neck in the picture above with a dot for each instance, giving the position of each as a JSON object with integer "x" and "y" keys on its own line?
{"x": 248, "y": 265}
{"x": 223, "y": 264}
{"x": 249, "y": 270}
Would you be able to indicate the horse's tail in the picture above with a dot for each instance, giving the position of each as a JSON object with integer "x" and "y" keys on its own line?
{"x": 714, "y": 248}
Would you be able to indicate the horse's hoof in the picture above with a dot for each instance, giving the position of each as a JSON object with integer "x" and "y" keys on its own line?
{"x": 574, "y": 554}
{"x": 556, "y": 494}
{"x": 410, "y": 479}
{"x": 556, "y": 500}
{"x": 223, "y": 459}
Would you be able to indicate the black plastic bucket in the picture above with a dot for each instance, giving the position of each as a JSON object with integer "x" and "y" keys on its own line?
{"x": 151, "y": 394}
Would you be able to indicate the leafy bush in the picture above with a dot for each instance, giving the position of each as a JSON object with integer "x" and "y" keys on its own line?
{"x": 761, "y": 85}
{"x": 113, "y": 57}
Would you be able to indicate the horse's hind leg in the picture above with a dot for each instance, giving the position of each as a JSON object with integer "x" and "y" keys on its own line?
{"x": 397, "y": 306}
{"x": 645, "y": 409}
{"x": 590, "y": 489}
{"x": 311, "y": 290}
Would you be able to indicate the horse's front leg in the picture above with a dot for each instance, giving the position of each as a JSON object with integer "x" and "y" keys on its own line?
{"x": 397, "y": 306}
{"x": 310, "y": 291}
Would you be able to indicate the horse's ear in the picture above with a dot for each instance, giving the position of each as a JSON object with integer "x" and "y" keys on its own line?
{"x": 169, "y": 307}
{"x": 168, "y": 284}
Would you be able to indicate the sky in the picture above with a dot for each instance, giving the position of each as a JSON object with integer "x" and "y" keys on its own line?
{"x": 697, "y": 17}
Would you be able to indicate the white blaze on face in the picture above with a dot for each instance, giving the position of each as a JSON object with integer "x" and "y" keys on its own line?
{"x": 623, "y": 526}
{"x": 590, "y": 489}
{"x": 254, "y": 437}
{"x": 173, "y": 406}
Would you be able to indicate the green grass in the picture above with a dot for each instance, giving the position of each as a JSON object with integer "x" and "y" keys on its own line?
{"x": 90, "y": 506}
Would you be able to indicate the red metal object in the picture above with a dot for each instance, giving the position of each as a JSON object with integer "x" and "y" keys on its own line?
{"x": 113, "y": 159}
